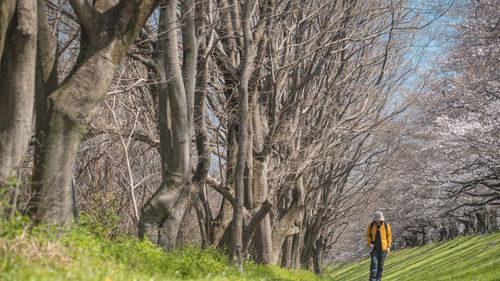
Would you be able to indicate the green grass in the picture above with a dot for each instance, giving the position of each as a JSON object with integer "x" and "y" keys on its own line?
{"x": 87, "y": 252}
{"x": 466, "y": 258}
{"x": 76, "y": 253}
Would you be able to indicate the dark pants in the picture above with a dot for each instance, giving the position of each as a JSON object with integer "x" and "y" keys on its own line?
{"x": 377, "y": 265}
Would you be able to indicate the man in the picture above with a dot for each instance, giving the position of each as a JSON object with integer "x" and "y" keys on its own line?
{"x": 378, "y": 237}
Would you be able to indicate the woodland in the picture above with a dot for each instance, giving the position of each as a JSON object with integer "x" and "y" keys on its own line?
{"x": 268, "y": 129}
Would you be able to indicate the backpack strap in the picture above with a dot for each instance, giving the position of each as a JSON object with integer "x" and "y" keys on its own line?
{"x": 371, "y": 237}
{"x": 385, "y": 225}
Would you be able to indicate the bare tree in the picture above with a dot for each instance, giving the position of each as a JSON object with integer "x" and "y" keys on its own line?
{"x": 315, "y": 89}
{"x": 288, "y": 103}
{"x": 162, "y": 214}
{"x": 450, "y": 145}
{"x": 108, "y": 29}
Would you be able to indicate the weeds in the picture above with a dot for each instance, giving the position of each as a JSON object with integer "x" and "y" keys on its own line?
{"x": 85, "y": 251}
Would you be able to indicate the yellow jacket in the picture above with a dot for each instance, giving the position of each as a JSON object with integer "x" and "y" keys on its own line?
{"x": 385, "y": 235}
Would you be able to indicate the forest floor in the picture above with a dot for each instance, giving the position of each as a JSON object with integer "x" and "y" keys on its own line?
{"x": 92, "y": 253}
{"x": 465, "y": 258}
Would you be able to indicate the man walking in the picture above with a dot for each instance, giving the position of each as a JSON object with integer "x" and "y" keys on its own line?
{"x": 378, "y": 237}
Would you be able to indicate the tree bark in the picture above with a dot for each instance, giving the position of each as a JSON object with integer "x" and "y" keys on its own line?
{"x": 18, "y": 37}
{"x": 263, "y": 239}
{"x": 286, "y": 226}
{"x": 203, "y": 148}
{"x": 221, "y": 224}
{"x": 7, "y": 9}
{"x": 310, "y": 238}
{"x": 297, "y": 243}
{"x": 318, "y": 255}
{"x": 260, "y": 190}
{"x": 246, "y": 66}
{"x": 286, "y": 256}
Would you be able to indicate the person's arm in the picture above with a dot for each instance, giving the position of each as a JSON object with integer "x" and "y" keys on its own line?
{"x": 368, "y": 238}
{"x": 389, "y": 237}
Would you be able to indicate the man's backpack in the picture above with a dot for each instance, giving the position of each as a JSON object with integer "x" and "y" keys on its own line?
{"x": 372, "y": 239}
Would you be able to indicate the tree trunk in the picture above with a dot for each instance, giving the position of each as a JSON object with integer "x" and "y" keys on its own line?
{"x": 7, "y": 9}
{"x": 263, "y": 235}
{"x": 286, "y": 256}
{"x": 310, "y": 238}
{"x": 221, "y": 223}
{"x": 492, "y": 217}
{"x": 69, "y": 109}
{"x": 225, "y": 214}
{"x": 263, "y": 241}
{"x": 203, "y": 147}
{"x": 286, "y": 225}
{"x": 318, "y": 255}
{"x": 241, "y": 160}
{"x": 297, "y": 242}
{"x": 260, "y": 190}
{"x": 18, "y": 38}
{"x": 162, "y": 214}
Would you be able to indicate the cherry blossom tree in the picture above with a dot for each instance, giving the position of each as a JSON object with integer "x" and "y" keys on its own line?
{"x": 446, "y": 176}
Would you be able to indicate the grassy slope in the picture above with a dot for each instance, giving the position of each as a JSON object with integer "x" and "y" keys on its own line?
{"x": 79, "y": 254}
{"x": 465, "y": 258}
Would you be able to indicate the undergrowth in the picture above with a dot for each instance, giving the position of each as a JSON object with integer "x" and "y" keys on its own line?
{"x": 91, "y": 251}
{"x": 86, "y": 252}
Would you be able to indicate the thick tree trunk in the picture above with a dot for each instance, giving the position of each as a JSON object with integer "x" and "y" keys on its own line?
{"x": 297, "y": 248}
{"x": 263, "y": 238}
{"x": 221, "y": 223}
{"x": 263, "y": 241}
{"x": 7, "y": 9}
{"x": 310, "y": 238}
{"x": 18, "y": 38}
{"x": 72, "y": 105}
{"x": 69, "y": 111}
{"x": 46, "y": 75}
{"x": 286, "y": 256}
{"x": 286, "y": 225}
{"x": 318, "y": 256}
{"x": 161, "y": 216}
{"x": 260, "y": 190}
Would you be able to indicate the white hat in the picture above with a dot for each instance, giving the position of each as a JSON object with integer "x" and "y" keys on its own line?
{"x": 378, "y": 216}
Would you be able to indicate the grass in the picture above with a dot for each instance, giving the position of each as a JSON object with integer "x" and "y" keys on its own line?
{"x": 87, "y": 252}
{"x": 465, "y": 258}
{"x": 77, "y": 253}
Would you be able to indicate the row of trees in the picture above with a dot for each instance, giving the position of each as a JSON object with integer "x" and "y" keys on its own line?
{"x": 444, "y": 179}
{"x": 266, "y": 117}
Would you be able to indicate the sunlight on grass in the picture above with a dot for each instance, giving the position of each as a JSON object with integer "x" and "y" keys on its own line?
{"x": 80, "y": 254}
{"x": 465, "y": 258}
{"x": 46, "y": 253}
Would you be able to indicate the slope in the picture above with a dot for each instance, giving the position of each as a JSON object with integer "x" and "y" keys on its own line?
{"x": 465, "y": 258}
